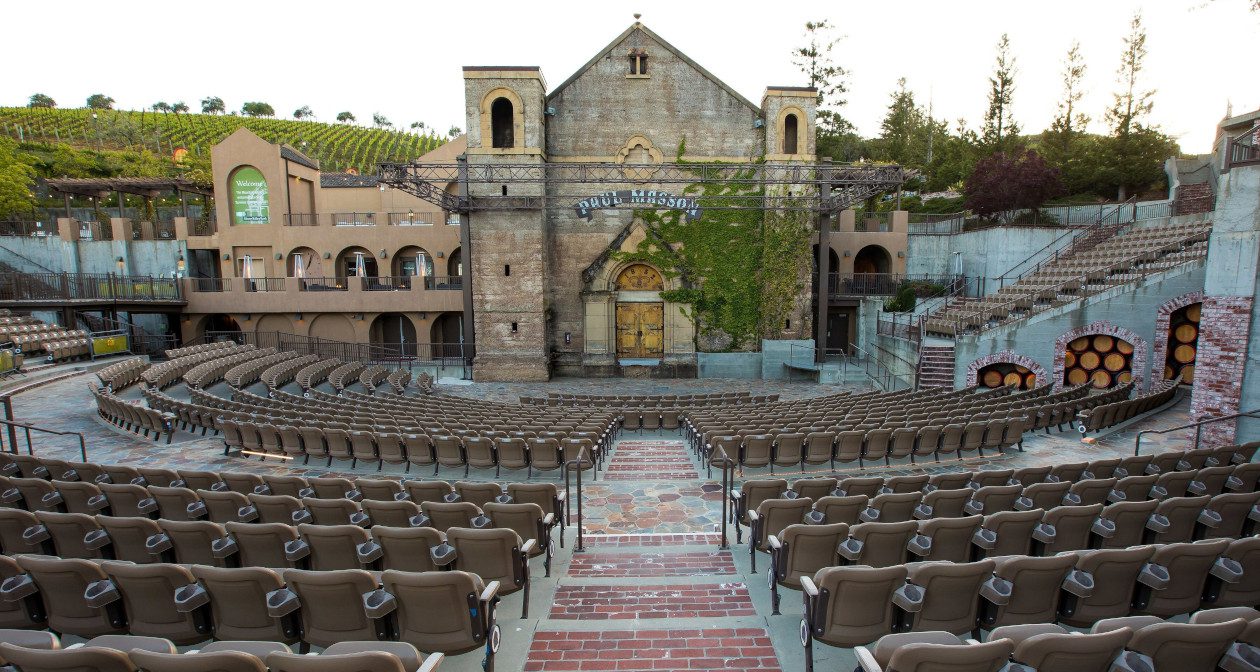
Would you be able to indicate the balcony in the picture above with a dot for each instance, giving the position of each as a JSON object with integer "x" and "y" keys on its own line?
{"x": 324, "y": 294}
{"x": 302, "y": 219}
{"x": 354, "y": 219}
{"x": 411, "y": 218}
{"x": 443, "y": 282}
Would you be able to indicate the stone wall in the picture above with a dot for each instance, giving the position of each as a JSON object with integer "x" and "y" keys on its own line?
{"x": 1220, "y": 363}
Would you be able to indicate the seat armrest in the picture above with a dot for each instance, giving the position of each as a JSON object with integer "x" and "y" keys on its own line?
{"x": 1240, "y": 657}
{"x": 490, "y": 591}
{"x": 378, "y": 603}
{"x": 752, "y": 516}
{"x": 737, "y": 494}
{"x": 1155, "y": 576}
{"x": 549, "y": 519}
{"x": 807, "y": 585}
{"x": 1132, "y": 661}
{"x": 866, "y": 661}
{"x": 774, "y": 542}
{"x": 529, "y": 546}
{"x": 909, "y": 598}
{"x": 431, "y": 662}
{"x": 282, "y": 602}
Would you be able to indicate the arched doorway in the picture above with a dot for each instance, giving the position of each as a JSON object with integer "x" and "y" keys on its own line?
{"x": 1183, "y": 343}
{"x": 872, "y": 259}
{"x": 640, "y": 313}
{"x": 356, "y": 262}
{"x": 447, "y": 336}
{"x": 1102, "y": 360}
{"x": 1007, "y": 374}
{"x": 395, "y": 333}
{"x": 455, "y": 266}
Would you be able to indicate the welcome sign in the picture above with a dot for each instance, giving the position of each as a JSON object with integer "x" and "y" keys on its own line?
{"x": 249, "y": 197}
{"x": 647, "y": 198}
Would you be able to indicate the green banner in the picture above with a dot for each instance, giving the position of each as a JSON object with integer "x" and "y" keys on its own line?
{"x": 249, "y": 197}
{"x": 109, "y": 345}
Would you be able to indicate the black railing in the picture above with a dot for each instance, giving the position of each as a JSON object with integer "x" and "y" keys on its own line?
{"x": 880, "y": 284}
{"x": 22, "y": 228}
{"x": 443, "y": 282}
{"x": 210, "y": 284}
{"x": 264, "y": 284}
{"x": 397, "y": 354}
{"x": 301, "y": 219}
{"x": 411, "y": 219}
{"x": 394, "y": 283}
{"x": 354, "y": 219}
{"x": 86, "y": 287}
{"x": 1198, "y": 428}
{"x": 323, "y": 284}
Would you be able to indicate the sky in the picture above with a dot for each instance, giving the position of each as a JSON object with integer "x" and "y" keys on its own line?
{"x": 403, "y": 59}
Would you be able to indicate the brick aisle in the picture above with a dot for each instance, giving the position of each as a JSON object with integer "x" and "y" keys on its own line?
{"x": 677, "y": 601}
{"x": 687, "y": 563}
{"x": 651, "y": 461}
{"x": 653, "y": 650}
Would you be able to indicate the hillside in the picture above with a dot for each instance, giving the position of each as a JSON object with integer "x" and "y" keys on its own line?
{"x": 338, "y": 147}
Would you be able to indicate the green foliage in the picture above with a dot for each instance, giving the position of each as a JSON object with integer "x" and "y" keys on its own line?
{"x": 815, "y": 61}
{"x": 41, "y": 100}
{"x": 1000, "y": 132}
{"x": 336, "y": 146}
{"x": 303, "y": 112}
{"x": 100, "y": 101}
{"x": 179, "y": 107}
{"x": 345, "y": 117}
{"x": 17, "y": 177}
{"x": 909, "y": 291}
{"x": 213, "y": 105}
{"x": 380, "y": 121}
{"x": 258, "y": 109}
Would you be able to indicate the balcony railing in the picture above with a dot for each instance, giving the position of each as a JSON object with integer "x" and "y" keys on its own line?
{"x": 37, "y": 229}
{"x": 354, "y": 219}
{"x": 388, "y": 283}
{"x": 86, "y": 286}
{"x": 210, "y": 284}
{"x": 324, "y": 284}
{"x": 878, "y": 284}
{"x": 411, "y": 219}
{"x": 264, "y": 284}
{"x": 443, "y": 282}
{"x": 301, "y": 219}
{"x": 1244, "y": 150}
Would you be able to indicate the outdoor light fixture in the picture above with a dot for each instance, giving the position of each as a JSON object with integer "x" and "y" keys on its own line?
{"x": 279, "y": 256}
{"x": 422, "y": 315}
{"x": 568, "y": 338}
{"x": 383, "y": 254}
{"x": 759, "y": 124}
{"x": 901, "y": 254}
{"x": 328, "y": 255}
{"x": 847, "y": 253}
{"x": 179, "y": 263}
{"x": 227, "y": 257}
{"x": 247, "y": 317}
{"x": 440, "y": 254}
{"x": 298, "y": 317}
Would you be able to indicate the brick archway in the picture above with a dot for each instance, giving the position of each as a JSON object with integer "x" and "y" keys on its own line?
{"x": 1163, "y": 316}
{"x": 1007, "y": 357}
{"x": 1140, "y": 348}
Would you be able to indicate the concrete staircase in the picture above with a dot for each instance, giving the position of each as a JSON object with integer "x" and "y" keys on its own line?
{"x": 1193, "y": 199}
{"x": 936, "y": 366}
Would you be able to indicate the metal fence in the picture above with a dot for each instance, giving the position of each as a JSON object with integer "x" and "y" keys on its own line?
{"x": 409, "y": 355}
{"x": 879, "y": 284}
{"x": 1244, "y": 150}
{"x": 944, "y": 224}
{"x": 86, "y": 286}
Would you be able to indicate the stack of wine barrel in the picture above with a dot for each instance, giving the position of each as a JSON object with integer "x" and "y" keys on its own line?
{"x": 1101, "y": 360}
{"x": 1010, "y": 375}
{"x": 1183, "y": 343}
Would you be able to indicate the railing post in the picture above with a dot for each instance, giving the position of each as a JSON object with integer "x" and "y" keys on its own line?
{"x": 8, "y": 415}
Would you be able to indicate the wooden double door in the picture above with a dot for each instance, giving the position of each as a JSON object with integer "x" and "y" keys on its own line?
{"x": 640, "y": 330}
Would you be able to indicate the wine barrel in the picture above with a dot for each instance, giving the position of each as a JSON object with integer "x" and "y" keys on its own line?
{"x": 1186, "y": 333}
{"x": 1184, "y": 354}
{"x": 1124, "y": 377}
{"x": 1100, "y": 379}
{"x": 1124, "y": 347}
{"x": 1012, "y": 378}
{"x": 1187, "y": 374}
{"x": 1104, "y": 343}
{"x": 1069, "y": 359}
{"x": 1194, "y": 311}
{"x": 1089, "y": 360}
{"x": 1114, "y": 362}
{"x": 1077, "y": 375}
{"x": 1168, "y": 373}
{"x": 1079, "y": 344}
{"x": 1030, "y": 380}
{"x": 992, "y": 378}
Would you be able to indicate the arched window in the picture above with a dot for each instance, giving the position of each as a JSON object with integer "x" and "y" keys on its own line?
{"x": 501, "y": 122}
{"x": 789, "y": 134}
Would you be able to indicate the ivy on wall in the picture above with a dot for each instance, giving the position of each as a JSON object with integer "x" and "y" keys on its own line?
{"x": 742, "y": 270}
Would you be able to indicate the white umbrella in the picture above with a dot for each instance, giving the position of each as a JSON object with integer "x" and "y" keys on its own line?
{"x": 360, "y": 268}
{"x": 299, "y": 266}
{"x": 247, "y": 267}
{"x": 421, "y": 262}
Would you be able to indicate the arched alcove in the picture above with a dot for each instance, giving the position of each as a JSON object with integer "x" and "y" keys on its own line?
{"x": 394, "y": 333}
{"x": 501, "y": 122}
{"x": 872, "y": 259}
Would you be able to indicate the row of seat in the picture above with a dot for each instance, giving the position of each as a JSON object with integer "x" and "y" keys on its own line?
{"x": 133, "y": 417}
{"x": 67, "y": 346}
{"x": 398, "y": 380}
{"x": 1214, "y": 639}
{"x": 1108, "y": 415}
{"x": 121, "y": 374}
{"x": 850, "y": 606}
{"x": 42, "y": 652}
{"x": 176, "y": 353}
{"x": 164, "y": 374}
{"x": 448, "y": 612}
{"x": 283, "y": 372}
{"x": 315, "y": 373}
{"x": 249, "y": 371}
{"x": 344, "y": 374}
{"x": 210, "y": 372}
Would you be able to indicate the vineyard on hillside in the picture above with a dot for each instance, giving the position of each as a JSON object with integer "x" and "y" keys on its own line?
{"x": 338, "y": 147}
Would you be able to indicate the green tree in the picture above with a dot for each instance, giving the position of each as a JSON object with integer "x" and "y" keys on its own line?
{"x": 303, "y": 112}
{"x": 41, "y": 100}
{"x": 1000, "y": 131}
{"x": 345, "y": 117}
{"x": 258, "y": 109}
{"x": 835, "y": 135}
{"x": 161, "y": 106}
{"x": 1064, "y": 144}
{"x": 417, "y": 125}
{"x": 17, "y": 179}
{"x": 380, "y": 121}
{"x": 100, "y": 101}
{"x": 1132, "y": 139}
{"x": 213, "y": 105}
{"x": 454, "y": 131}
{"x": 180, "y": 107}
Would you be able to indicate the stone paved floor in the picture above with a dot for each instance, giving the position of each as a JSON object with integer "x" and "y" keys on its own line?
{"x": 651, "y": 590}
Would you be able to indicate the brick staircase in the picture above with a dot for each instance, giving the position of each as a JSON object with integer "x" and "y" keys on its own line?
{"x": 936, "y": 366}
{"x": 1193, "y": 199}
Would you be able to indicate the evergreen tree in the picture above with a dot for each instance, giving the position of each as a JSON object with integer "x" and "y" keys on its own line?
{"x": 41, "y": 100}
{"x": 1070, "y": 120}
{"x": 835, "y": 136}
{"x": 1000, "y": 132}
{"x": 1136, "y": 149}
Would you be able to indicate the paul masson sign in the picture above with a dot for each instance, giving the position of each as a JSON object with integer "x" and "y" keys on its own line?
{"x": 249, "y": 197}
{"x": 638, "y": 198}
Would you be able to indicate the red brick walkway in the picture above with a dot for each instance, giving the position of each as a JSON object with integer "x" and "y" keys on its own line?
{"x": 651, "y": 461}
{"x": 668, "y": 539}
{"x": 652, "y": 650}
{"x": 616, "y": 565}
{"x": 678, "y": 601}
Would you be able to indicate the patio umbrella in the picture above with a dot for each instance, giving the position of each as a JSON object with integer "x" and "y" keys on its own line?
{"x": 421, "y": 261}
{"x": 299, "y": 266}
{"x": 360, "y": 268}
{"x": 247, "y": 267}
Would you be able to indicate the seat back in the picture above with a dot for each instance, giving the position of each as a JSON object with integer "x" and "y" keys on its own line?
{"x": 148, "y": 593}
{"x": 949, "y": 591}
{"x": 435, "y": 609}
{"x": 1186, "y": 647}
{"x": 1012, "y": 530}
{"x": 445, "y": 515}
{"x": 333, "y": 546}
{"x": 776, "y": 514}
{"x": 1188, "y": 566}
{"x": 332, "y": 605}
{"x": 62, "y": 584}
{"x": 406, "y": 549}
{"x": 883, "y": 544}
{"x": 238, "y": 604}
{"x": 1114, "y": 573}
{"x": 1035, "y": 583}
{"x": 1072, "y": 526}
{"x": 951, "y": 537}
{"x": 193, "y": 540}
{"x": 1063, "y": 652}
{"x": 814, "y": 488}
{"x": 83, "y": 659}
{"x": 809, "y": 548}
{"x": 842, "y": 509}
{"x": 127, "y": 537}
{"x": 492, "y": 554}
{"x": 855, "y": 603}
{"x": 478, "y": 494}
{"x": 262, "y": 544}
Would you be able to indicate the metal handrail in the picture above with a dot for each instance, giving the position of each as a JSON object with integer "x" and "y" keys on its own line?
{"x": 11, "y": 424}
{"x": 1077, "y": 235}
{"x": 1198, "y": 428}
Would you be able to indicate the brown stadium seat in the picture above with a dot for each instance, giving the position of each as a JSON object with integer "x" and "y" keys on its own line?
{"x": 1186, "y": 647}
{"x": 160, "y": 476}
{"x": 278, "y": 484}
{"x": 29, "y": 639}
{"x": 129, "y": 500}
{"x": 281, "y": 509}
{"x": 770, "y": 517}
{"x": 991, "y": 477}
{"x": 1007, "y": 532}
{"x": 1125, "y": 524}
{"x": 121, "y": 473}
{"x": 378, "y": 489}
{"x": 1032, "y": 586}
{"x": 1210, "y": 480}
{"x": 404, "y": 549}
{"x": 239, "y": 604}
{"x": 225, "y": 506}
{"x": 1112, "y": 575}
{"x": 479, "y": 453}
{"x": 335, "y": 512}
{"x": 1042, "y": 496}
{"x": 1027, "y": 476}
{"x": 494, "y": 555}
{"x": 199, "y": 542}
{"x": 1246, "y": 590}
{"x": 814, "y": 488}
{"x": 947, "y": 503}
{"x": 128, "y": 537}
{"x": 992, "y": 499}
{"x": 1182, "y": 571}
{"x": 83, "y": 659}
{"x": 445, "y": 515}
{"x": 941, "y": 596}
{"x": 1231, "y": 515}
{"x": 331, "y": 606}
{"x": 13, "y": 526}
{"x": 1178, "y": 518}
{"x": 841, "y": 509}
{"x": 848, "y": 606}
{"x": 334, "y": 487}
{"x": 20, "y": 612}
{"x": 926, "y": 442}
{"x": 173, "y": 503}
{"x": 243, "y": 483}
{"x": 1134, "y": 489}
{"x": 152, "y": 600}
{"x": 895, "y": 507}
{"x": 859, "y": 485}
{"x": 202, "y": 661}
{"x": 802, "y": 550}
{"x": 820, "y": 448}
{"x": 513, "y": 454}
{"x": 1069, "y": 472}
{"x": 63, "y": 585}
{"x": 38, "y": 494}
{"x": 902, "y": 484}
{"x": 1068, "y": 529}
{"x": 878, "y": 544}
{"x": 327, "y": 547}
{"x": 1047, "y": 647}
{"x": 932, "y": 652}
{"x": 1175, "y": 483}
{"x": 69, "y": 532}
{"x": 262, "y": 544}
{"x": 750, "y": 495}
{"x": 1093, "y": 490}
{"x": 449, "y": 452}
{"x": 788, "y": 450}
{"x": 448, "y": 612}
{"x": 950, "y": 537}
{"x": 81, "y": 497}
{"x": 529, "y": 522}
{"x": 391, "y": 513}
{"x": 478, "y": 494}
{"x": 544, "y": 455}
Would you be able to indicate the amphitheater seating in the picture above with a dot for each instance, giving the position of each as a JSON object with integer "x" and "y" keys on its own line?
{"x": 133, "y": 417}
{"x": 212, "y": 371}
{"x": 315, "y": 373}
{"x": 1107, "y": 415}
{"x": 165, "y": 374}
{"x": 283, "y": 372}
{"x": 1076, "y": 273}
{"x": 398, "y": 380}
{"x": 176, "y": 353}
{"x": 123, "y": 374}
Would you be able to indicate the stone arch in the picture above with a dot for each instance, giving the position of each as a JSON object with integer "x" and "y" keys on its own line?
{"x": 1163, "y": 316}
{"x": 274, "y": 322}
{"x": 487, "y": 119}
{"x": 1138, "y": 364}
{"x": 455, "y": 264}
{"x": 796, "y": 145}
{"x": 446, "y": 334}
{"x": 345, "y": 264}
{"x": 395, "y": 333}
{"x": 1007, "y": 357}
{"x": 412, "y": 260}
{"x": 639, "y": 276}
{"x": 312, "y": 264}
{"x": 332, "y": 326}
{"x": 872, "y": 259}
